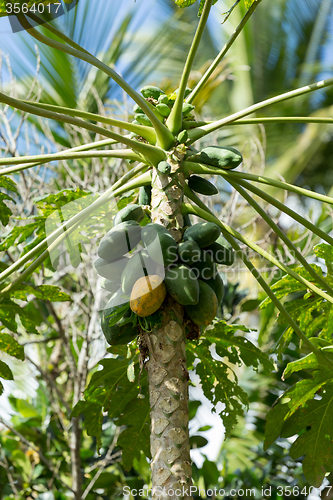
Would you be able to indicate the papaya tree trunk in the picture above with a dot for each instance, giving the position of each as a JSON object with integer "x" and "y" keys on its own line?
{"x": 167, "y": 371}
{"x": 168, "y": 393}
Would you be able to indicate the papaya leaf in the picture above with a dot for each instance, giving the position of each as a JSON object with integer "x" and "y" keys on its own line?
{"x": 184, "y": 3}
{"x": 314, "y": 426}
{"x": 237, "y": 349}
{"x": 20, "y": 234}
{"x": 135, "y": 437}
{"x": 198, "y": 441}
{"x": 5, "y": 371}
{"x": 29, "y": 315}
{"x": 313, "y": 314}
{"x": 202, "y": 4}
{"x": 10, "y": 346}
{"x": 110, "y": 391}
{"x": 47, "y": 205}
{"x": 8, "y": 310}
{"x": 57, "y": 200}
{"x": 44, "y": 292}
{"x": 117, "y": 313}
{"x": 309, "y": 362}
{"x": 325, "y": 251}
{"x": 216, "y": 384}
{"x": 298, "y": 396}
{"x": 275, "y": 419}
{"x": 288, "y": 284}
{"x": 8, "y": 185}
{"x": 93, "y": 418}
{"x": 248, "y": 3}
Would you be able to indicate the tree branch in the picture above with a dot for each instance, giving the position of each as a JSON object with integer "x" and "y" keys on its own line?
{"x": 41, "y": 455}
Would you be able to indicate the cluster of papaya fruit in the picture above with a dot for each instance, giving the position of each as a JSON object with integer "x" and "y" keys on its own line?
{"x": 158, "y": 266}
{"x": 142, "y": 264}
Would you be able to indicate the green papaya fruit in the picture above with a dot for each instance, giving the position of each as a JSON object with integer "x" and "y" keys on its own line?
{"x": 226, "y": 158}
{"x": 138, "y": 266}
{"x": 120, "y": 240}
{"x": 189, "y": 252}
{"x": 203, "y": 233}
{"x": 122, "y": 332}
{"x": 137, "y": 109}
{"x": 131, "y": 212}
{"x": 143, "y": 120}
{"x": 151, "y": 91}
{"x": 159, "y": 243}
{"x": 186, "y": 93}
{"x": 169, "y": 99}
{"x": 145, "y": 195}
{"x": 164, "y": 167}
{"x": 182, "y": 285}
{"x": 205, "y": 310}
{"x": 222, "y": 252}
{"x": 163, "y": 109}
{"x": 216, "y": 284}
{"x": 164, "y": 99}
{"x": 111, "y": 270}
{"x": 205, "y": 268}
{"x": 202, "y": 186}
{"x": 187, "y": 108}
{"x": 110, "y": 286}
{"x": 182, "y": 137}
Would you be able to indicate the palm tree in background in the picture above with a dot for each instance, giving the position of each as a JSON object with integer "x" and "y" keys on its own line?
{"x": 280, "y": 38}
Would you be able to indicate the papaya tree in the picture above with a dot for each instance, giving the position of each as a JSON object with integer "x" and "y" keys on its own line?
{"x": 159, "y": 267}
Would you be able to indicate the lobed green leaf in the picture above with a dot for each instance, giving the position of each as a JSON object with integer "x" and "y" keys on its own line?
{"x": 136, "y": 417}
{"x": 313, "y": 424}
{"x": 5, "y": 371}
{"x": 236, "y": 348}
{"x": 111, "y": 391}
{"x": 8, "y": 185}
{"x": 10, "y": 346}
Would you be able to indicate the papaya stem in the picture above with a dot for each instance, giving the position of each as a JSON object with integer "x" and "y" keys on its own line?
{"x": 174, "y": 121}
{"x": 147, "y": 133}
{"x": 190, "y": 98}
{"x": 189, "y": 124}
{"x": 211, "y": 217}
{"x": 126, "y": 154}
{"x": 207, "y": 129}
{"x": 282, "y": 235}
{"x": 84, "y": 147}
{"x": 228, "y": 236}
{"x": 164, "y": 137}
{"x": 113, "y": 190}
{"x": 281, "y": 206}
{"x": 200, "y": 168}
{"x": 154, "y": 154}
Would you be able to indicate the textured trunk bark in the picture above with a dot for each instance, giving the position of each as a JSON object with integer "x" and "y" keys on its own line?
{"x": 168, "y": 392}
{"x": 167, "y": 372}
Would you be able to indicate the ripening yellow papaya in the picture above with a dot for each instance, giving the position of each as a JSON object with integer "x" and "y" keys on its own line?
{"x": 147, "y": 296}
